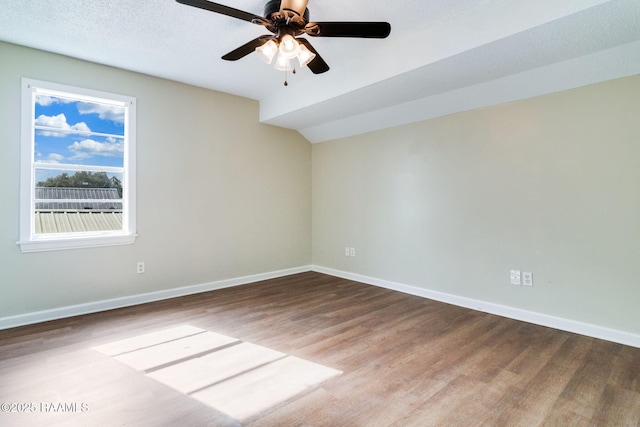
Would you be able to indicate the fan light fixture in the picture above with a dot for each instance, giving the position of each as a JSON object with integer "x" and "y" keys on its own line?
{"x": 267, "y": 51}
{"x": 287, "y": 49}
{"x": 283, "y": 63}
{"x": 305, "y": 56}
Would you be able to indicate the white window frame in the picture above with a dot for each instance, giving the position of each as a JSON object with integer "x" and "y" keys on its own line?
{"x": 29, "y": 240}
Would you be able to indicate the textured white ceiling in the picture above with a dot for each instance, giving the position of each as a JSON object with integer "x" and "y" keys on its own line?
{"x": 443, "y": 56}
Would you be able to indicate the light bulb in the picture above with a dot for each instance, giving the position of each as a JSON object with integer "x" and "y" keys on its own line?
{"x": 289, "y": 47}
{"x": 267, "y": 51}
{"x": 305, "y": 55}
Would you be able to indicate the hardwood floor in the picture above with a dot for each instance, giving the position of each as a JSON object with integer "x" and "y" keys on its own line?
{"x": 402, "y": 361}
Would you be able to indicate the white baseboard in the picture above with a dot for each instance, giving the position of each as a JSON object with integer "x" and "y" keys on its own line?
{"x": 93, "y": 307}
{"x": 568, "y": 325}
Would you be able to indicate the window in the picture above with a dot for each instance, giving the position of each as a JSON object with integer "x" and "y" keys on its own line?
{"x": 77, "y": 169}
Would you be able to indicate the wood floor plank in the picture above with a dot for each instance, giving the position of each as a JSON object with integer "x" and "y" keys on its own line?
{"x": 403, "y": 361}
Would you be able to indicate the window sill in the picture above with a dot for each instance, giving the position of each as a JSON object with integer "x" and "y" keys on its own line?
{"x": 75, "y": 243}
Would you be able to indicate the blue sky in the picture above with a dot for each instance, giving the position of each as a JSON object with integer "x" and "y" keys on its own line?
{"x": 73, "y": 147}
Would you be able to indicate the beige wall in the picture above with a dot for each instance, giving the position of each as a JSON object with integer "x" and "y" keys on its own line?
{"x": 549, "y": 185}
{"x": 219, "y": 195}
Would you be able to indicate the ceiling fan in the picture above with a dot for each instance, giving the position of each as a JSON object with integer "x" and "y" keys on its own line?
{"x": 288, "y": 19}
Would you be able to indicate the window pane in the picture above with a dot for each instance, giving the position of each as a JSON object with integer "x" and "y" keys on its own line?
{"x": 69, "y": 148}
{"x": 79, "y": 116}
{"x": 82, "y": 201}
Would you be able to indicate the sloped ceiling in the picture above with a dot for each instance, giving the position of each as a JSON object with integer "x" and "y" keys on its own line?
{"x": 443, "y": 56}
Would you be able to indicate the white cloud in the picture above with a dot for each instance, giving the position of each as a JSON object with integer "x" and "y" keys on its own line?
{"x": 59, "y": 122}
{"x": 45, "y": 100}
{"x": 89, "y": 148}
{"x": 105, "y": 112}
{"x": 55, "y": 157}
{"x": 51, "y": 158}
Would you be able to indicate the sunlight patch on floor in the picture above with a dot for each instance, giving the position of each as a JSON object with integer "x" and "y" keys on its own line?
{"x": 237, "y": 378}
{"x": 147, "y": 340}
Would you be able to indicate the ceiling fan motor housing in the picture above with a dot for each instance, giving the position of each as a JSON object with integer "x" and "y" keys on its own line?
{"x": 273, "y": 7}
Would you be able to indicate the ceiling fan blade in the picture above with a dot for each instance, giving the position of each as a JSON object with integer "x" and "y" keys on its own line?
{"x": 246, "y": 49}
{"x": 224, "y": 10}
{"x": 317, "y": 66}
{"x": 298, "y": 6}
{"x": 374, "y": 30}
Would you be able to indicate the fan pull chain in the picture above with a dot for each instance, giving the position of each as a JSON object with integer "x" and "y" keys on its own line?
{"x": 286, "y": 83}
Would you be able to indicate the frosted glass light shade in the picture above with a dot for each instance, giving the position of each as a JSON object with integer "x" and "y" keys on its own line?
{"x": 289, "y": 47}
{"x": 305, "y": 55}
{"x": 283, "y": 63}
{"x": 267, "y": 51}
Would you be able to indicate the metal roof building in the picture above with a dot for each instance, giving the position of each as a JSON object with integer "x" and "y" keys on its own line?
{"x": 63, "y": 198}
{"x": 72, "y": 222}
{"x": 70, "y": 210}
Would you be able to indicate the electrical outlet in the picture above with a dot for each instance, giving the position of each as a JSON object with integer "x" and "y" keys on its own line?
{"x": 352, "y": 251}
{"x": 515, "y": 277}
{"x": 527, "y": 278}
{"x": 140, "y": 267}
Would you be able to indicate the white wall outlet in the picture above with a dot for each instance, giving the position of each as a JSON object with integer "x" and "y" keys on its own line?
{"x": 527, "y": 278}
{"x": 515, "y": 277}
{"x": 140, "y": 267}
{"x": 352, "y": 251}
